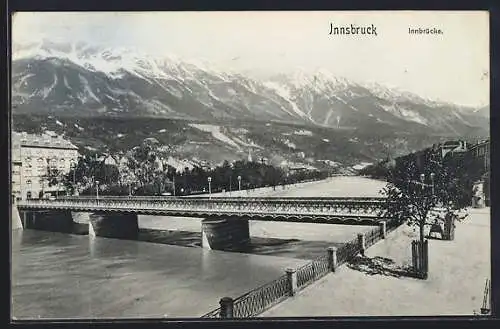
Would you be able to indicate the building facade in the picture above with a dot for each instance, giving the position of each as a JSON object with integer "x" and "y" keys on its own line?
{"x": 479, "y": 157}
{"x": 32, "y": 156}
{"x": 446, "y": 149}
{"x": 481, "y": 152}
{"x": 452, "y": 147}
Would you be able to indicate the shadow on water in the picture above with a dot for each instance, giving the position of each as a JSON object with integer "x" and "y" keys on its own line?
{"x": 61, "y": 243}
{"x": 292, "y": 248}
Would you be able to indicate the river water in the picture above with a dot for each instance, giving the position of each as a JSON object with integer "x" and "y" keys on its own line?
{"x": 165, "y": 273}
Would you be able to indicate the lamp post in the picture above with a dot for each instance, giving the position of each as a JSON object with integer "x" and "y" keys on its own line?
{"x": 209, "y": 187}
{"x": 230, "y": 184}
{"x": 173, "y": 183}
{"x": 29, "y": 183}
{"x": 239, "y": 184}
{"x": 21, "y": 168}
{"x": 73, "y": 168}
{"x": 422, "y": 179}
{"x": 97, "y": 189}
{"x": 432, "y": 182}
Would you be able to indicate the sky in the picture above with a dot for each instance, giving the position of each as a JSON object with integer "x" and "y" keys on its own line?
{"x": 451, "y": 67}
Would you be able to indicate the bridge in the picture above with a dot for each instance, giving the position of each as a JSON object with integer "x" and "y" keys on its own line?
{"x": 225, "y": 220}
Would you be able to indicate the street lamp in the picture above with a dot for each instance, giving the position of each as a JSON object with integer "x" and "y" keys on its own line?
{"x": 422, "y": 179}
{"x": 432, "y": 181}
{"x": 30, "y": 189}
{"x": 173, "y": 183}
{"x": 73, "y": 168}
{"x": 97, "y": 189}
{"x": 239, "y": 184}
{"x": 209, "y": 187}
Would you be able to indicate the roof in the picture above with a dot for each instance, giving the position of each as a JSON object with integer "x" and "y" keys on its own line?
{"x": 45, "y": 140}
{"x": 480, "y": 144}
{"x": 452, "y": 143}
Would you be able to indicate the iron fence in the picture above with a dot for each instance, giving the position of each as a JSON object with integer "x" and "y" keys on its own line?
{"x": 372, "y": 237}
{"x": 214, "y": 314}
{"x": 348, "y": 251}
{"x": 257, "y": 300}
{"x": 264, "y": 297}
{"x": 420, "y": 258}
{"x": 260, "y": 299}
{"x": 379, "y": 200}
{"x": 361, "y": 211}
{"x": 312, "y": 271}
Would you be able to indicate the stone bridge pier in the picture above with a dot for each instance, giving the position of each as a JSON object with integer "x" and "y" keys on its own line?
{"x": 224, "y": 232}
{"x": 15, "y": 218}
{"x": 114, "y": 225}
{"x": 105, "y": 224}
{"x": 48, "y": 220}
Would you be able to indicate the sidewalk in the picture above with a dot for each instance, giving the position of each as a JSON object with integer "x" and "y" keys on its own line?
{"x": 457, "y": 273}
{"x": 349, "y": 186}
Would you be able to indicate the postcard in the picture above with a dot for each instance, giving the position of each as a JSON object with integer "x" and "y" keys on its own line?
{"x": 202, "y": 165}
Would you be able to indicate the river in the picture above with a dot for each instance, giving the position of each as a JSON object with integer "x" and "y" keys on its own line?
{"x": 57, "y": 275}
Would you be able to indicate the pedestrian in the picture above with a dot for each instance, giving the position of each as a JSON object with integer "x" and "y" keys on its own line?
{"x": 436, "y": 228}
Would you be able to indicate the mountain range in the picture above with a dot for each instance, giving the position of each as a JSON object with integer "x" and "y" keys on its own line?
{"x": 82, "y": 80}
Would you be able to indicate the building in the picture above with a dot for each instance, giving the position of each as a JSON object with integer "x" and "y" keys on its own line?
{"x": 481, "y": 152}
{"x": 452, "y": 147}
{"x": 446, "y": 149}
{"x": 479, "y": 158}
{"x": 32, "y": 155}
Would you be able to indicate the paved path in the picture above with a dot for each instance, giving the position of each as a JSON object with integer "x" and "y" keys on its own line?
{"x": 458, "y": 270}
{"x": 339, "y": 186}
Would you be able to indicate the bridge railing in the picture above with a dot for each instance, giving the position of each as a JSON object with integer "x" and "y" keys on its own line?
{"x": 233, "y": 206}
{"x": 206, "y": 197}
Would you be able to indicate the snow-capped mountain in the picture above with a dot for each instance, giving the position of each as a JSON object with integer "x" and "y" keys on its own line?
{"x": 80, "y": 79}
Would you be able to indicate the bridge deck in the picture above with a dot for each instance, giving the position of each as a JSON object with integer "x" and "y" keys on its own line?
{"x": 315, "y": 210}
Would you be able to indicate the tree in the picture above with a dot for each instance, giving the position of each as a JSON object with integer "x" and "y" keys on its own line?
{"x": 90, "y": 168}
{"x": 53, "y": 177}
{"x": 419, "y": 183}
{"x": 146, "y": 165}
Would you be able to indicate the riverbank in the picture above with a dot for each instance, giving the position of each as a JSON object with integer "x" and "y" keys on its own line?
{"x": 455, "y": 286}
{"x": 338, "y": 186}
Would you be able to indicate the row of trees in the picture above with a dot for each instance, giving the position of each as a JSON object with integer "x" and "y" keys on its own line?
{"x": 144, "y": 171}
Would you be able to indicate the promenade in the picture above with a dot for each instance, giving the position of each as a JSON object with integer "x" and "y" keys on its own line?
{"x": 457, "y": 273}
{"x": 339, "y": 186}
